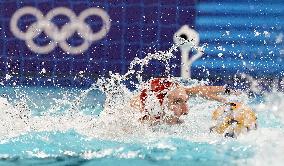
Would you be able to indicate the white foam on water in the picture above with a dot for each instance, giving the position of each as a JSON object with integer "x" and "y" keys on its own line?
{"x": 119, "y": 122}
{"x": 268, "y": 138}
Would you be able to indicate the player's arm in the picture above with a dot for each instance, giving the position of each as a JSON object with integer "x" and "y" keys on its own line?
{"x": 209, "y": 92}
{"x": 208, "y": 89}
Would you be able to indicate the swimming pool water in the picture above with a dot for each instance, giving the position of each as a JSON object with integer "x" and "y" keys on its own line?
{"x": 62, "y": 139}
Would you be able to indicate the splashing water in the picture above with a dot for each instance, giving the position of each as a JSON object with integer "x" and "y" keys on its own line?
{"x": 99, "y": 123}
{"x": 66, "y": 112}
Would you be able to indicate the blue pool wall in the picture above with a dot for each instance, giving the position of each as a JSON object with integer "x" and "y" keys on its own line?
{"x": 241, "y": 36}
{"x": 137, "y": 28}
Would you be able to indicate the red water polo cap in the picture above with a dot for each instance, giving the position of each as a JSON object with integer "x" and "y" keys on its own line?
{"x": 160, "y": 87}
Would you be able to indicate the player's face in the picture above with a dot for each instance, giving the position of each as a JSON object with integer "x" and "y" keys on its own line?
{"x": 177, "y": 101}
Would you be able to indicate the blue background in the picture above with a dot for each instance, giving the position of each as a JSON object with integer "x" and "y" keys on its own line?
{"x": 139, "y": 27}
{"x": 240, "y": 28}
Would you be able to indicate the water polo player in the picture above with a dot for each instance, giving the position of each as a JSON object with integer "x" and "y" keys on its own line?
{"x": 165, "y": 100}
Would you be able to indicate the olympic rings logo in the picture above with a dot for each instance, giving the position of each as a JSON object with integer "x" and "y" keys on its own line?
{"x": 59, "y": 36}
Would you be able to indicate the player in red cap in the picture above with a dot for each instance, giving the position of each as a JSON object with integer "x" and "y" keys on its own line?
{"x": 163, "y": 100}
{"x": 163, "y": 95}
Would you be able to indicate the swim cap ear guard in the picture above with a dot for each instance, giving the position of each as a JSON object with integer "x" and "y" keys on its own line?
{"x": 153, "y": 95}
{"x": 152, "y": 105}
{"x": 165, "y": 108}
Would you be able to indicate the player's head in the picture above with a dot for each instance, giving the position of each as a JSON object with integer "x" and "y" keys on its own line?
{"x": 168, "y": 95}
